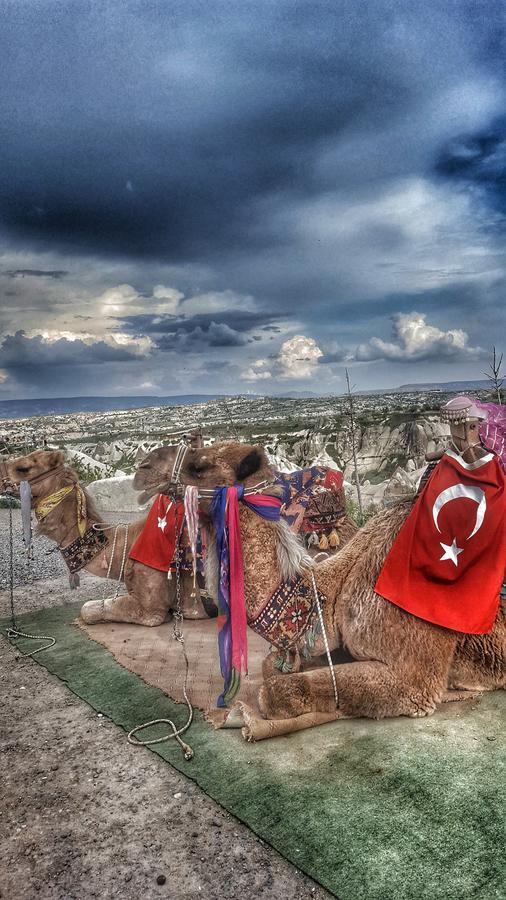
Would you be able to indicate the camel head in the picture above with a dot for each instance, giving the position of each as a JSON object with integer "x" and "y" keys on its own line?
{"x": 37, "y": 468}
{"x": 225, "y": 463}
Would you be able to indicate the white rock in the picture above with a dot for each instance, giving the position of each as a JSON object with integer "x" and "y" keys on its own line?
{"x": 115, "y": 494}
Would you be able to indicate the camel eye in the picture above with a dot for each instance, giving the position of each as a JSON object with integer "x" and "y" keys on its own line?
{"x": 23, "y": 469}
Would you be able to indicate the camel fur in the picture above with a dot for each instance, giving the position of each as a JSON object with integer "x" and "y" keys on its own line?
{"x": 149, "y": 594}
{"x": 404, "y": 666}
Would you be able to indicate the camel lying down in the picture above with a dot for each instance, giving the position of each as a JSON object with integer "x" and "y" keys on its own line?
{"x": 404, "y": 666}
{"x": 148, "y": 596}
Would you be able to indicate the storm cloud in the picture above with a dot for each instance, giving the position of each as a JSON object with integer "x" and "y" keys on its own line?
{"x": 222, "y": 179}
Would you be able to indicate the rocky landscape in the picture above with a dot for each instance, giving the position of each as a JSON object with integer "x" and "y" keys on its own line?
{"x": 391, "y": 434}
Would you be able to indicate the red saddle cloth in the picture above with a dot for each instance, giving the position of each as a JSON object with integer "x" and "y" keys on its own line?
{"x": 156, "y": 543}
{"x": 447, "y": 564}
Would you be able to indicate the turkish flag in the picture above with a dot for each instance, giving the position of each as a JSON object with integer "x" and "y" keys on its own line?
{"x": 156, "y": 543}
{"x": 447, "y": 563}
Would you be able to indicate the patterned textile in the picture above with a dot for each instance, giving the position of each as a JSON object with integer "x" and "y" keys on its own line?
{"x": 493, "y": 429}
{"x": 287, "y": 615}
{"x": 313, "y": 499}
{"x": 81, "y": 551}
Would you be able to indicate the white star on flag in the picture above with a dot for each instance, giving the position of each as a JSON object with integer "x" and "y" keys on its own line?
{"x": 162, "y": 522}
{"x": 451, "y": 551}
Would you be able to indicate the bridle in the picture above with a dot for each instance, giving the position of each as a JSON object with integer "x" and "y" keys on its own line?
{"x": 175, "y": 477}
{"x": 8, "y": 483}
{"x": 174, "y": 486}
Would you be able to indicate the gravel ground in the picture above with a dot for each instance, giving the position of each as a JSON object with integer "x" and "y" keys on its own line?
{"x": 86, "y": 815}
{"x": 44, "y": 563}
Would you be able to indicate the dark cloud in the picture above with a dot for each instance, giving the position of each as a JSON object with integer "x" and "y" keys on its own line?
{"x": 162, "y": 130}
{"x": 18, "y": 351}
{"x": 234, "y": 319}
{"x": 198, "y": 338}
{"x": 333, "y": 163}
{"x": 479, "y": 159}
{"x": 36, "y": 273}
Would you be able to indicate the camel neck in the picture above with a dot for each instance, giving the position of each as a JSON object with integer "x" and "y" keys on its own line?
{"x": 60, "y": 524}
{"x": 261, "y": 568}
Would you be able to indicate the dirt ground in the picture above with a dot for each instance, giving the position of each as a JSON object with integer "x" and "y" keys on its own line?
{"x": 84, "y": 814}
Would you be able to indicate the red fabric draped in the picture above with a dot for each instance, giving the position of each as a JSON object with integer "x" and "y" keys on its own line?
{"x": 447, "y": 563}
{"x": 237, "y": 598}
{"x": 156, "y": 543}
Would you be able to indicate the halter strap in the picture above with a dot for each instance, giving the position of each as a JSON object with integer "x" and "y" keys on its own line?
{"x": 36, "y": 479}
{"x": 182, "y": 450}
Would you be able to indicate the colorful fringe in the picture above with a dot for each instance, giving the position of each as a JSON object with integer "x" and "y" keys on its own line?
{"x": 232, "y": 621}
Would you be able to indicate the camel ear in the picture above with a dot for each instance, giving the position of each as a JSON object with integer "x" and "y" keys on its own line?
{"x": 54, "y": 458}
{"x": 249, "y": 465}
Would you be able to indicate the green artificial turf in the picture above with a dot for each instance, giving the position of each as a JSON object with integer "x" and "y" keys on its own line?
{"x": 395, "y": 810}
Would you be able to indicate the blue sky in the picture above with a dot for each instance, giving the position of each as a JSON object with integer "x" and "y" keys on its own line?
{"x": 250, "y": 196}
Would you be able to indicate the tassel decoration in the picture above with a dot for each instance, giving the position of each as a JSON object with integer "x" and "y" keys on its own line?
{"x": 334, "y": 540}
{"x": 323, "y": 543}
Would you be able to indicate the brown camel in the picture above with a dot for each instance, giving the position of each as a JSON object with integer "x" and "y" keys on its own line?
{"x": 150, "y": 595}
{"x": 404, "y": 665}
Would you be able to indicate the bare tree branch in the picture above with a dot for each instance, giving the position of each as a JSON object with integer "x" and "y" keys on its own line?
{"x": 495, "y": 377}
{"x": 351, "y": 407}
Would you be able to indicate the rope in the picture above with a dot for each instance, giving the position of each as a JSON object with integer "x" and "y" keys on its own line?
{"x": 13, "y": 632}
{"x": 179, "y": 637}
{"x": 325, "y": 640}
{"x": 103, "y": 526}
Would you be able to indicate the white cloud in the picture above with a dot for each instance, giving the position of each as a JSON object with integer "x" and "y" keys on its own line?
{"x": 298, "y": 357}
{"x": 169, "y": 299}
{"x": 414, "y": 339}
{"x": 258, "y": 371}
{"x": 3, "y": 376}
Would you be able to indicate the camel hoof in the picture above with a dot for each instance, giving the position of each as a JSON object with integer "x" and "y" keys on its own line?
{"x": 279, "y": 698}
{"x": 422, "y": 713}
{"x": 92, "y": 612}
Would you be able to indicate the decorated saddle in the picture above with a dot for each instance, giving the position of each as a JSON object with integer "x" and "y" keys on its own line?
{"x": 447, "y": 564}
{"x": 313, "y": 502}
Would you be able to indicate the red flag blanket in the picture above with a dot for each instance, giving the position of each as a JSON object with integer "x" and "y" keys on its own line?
{"x": 447, "y": 564}
{"x": 156, "y": 543}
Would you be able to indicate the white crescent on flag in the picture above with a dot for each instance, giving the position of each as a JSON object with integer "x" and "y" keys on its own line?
{"x": 456, "y": 491}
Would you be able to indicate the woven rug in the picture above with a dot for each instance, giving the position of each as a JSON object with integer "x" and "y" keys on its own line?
{"x": 153, "y": 654}
{"x": 402, "y": 809}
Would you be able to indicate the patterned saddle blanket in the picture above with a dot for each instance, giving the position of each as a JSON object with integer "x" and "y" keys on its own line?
{"x": 313, "y": 499}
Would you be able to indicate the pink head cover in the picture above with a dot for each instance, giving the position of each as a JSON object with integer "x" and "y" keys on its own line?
{"x": 461, "y": 409}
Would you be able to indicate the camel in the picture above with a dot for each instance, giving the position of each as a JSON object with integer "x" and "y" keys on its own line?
{"x": 403, "y": 665}
{"x": 150, "y": 595}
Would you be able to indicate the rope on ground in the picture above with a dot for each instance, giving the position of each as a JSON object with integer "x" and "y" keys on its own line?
{"x": 176, "y": 732}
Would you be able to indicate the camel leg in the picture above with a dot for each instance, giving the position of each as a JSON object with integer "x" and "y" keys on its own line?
{"x": 403, "y": 671}
{"x": 372, "y": 689}
{"x": 479, "y": 663}
{"x": 146, "y": 603}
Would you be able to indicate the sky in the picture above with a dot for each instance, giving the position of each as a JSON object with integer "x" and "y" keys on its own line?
{"x": 240, "y": 197}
